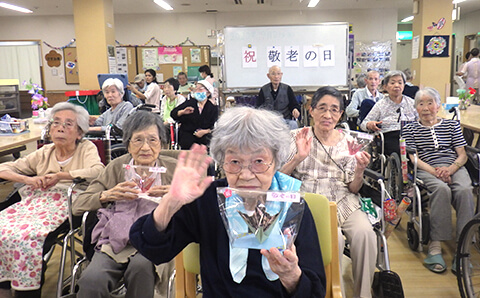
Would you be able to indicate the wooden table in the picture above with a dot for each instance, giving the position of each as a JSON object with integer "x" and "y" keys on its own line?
{"x": 12, "y": 141}
{"x": 469, "y": 118}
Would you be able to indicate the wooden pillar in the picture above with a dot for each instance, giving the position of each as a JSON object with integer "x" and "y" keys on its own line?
{"x": 433, "y": 72}
{"x": 94, "y": 32}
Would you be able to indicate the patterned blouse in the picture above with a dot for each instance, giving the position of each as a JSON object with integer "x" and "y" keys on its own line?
{"x": 320, "y": 174}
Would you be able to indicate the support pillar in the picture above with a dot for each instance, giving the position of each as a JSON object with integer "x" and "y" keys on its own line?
{"x": 433, "y": 72}
{"x": 94, "y": 32}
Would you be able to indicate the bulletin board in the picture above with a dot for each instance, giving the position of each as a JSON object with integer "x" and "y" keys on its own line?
{"x": 70, "y": 64}
{"x": 310, "y": 55}
{"x": 168, "y": 61}
{"x": 127, "y": 61}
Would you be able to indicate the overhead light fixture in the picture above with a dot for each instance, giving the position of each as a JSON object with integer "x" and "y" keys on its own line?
{"x": 458, "y": 1}
{"x": 14, "y": 7}
{"x": 313, "y": 3}
{"x": 163, "y": 4}
{"x": 407, "y": 19}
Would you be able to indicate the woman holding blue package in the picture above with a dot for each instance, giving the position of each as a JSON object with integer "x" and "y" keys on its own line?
{"x": 197, "y": 117}
{"x": 251, "y": 145}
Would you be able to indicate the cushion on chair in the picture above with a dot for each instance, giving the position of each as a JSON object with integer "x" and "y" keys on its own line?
{"x": 319, "y": 206}
{"x": 191, "y": 258}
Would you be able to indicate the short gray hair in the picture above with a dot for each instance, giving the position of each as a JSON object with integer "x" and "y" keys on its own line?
{"x": 113, "y": 82}
{"x": 80, "y": 112}
{"x": 139, "y": 121}
{"x": 428, "y": 91}
{"x": 361, "y": 80}
{"x": 249, "y": 128}
{"x": 394, "y": 73}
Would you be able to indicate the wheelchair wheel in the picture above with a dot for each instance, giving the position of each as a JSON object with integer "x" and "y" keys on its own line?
{"x": 412, "y": 236}
{"x": 117, "y": 150}
{"x": 394, "y": 176}
{"x": 468, "y": 260}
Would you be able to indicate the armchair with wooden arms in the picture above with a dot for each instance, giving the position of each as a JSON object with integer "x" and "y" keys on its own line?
{"x": 187, "y": 263}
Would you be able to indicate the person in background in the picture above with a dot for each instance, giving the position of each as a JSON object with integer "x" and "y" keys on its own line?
{"x": 46, "y": 174}
{"x": 140, "y": 85}
{"x": 472, "y": 70}
{"x": 153, "y": 94}
{"x": 410, "y": 90}
{"x": 468, "y": 57}
{"x": 207, "y": 75}
{"x": 387, "y": 114}
{"x": 277, "y": 96}
{"x": 185, "y": 87}
{"x": 440, "y": 146}
{"x": 119, "y": 204}
{"x": 119, "y": 109}
{"x": 170, "y": 100}
{"x": 250, "y": 145}
{"x": 369, "y": 92}
{"x": 197, "y": 117}
{"x": 319, "y": 157}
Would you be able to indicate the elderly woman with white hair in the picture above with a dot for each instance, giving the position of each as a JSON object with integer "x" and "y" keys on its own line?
{"x": 46, "y": 173}
{"x": 440, "y": 146}
{"x": 250, "y": 145}
{"x": 387, "y": 113}
{"x": 113, "y": 92}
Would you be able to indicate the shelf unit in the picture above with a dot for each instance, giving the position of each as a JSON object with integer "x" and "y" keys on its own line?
{"x": 9, "y": 98}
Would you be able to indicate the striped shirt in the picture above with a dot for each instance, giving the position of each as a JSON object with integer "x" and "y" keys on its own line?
{"x": 435, "y": 144}
{"x": 322, "y": 175}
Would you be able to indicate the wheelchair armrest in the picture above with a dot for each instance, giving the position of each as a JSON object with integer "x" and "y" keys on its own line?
{"x": 472, "y": 149}
{"x": 410, "y": 150}
{"x": 374, "y": 175}
{"x": 78, "y": 180}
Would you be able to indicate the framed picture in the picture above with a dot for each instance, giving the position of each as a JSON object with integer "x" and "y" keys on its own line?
{"x": 435, "y": 46}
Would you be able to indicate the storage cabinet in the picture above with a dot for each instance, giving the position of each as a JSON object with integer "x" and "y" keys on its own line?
{"x": 9, "y": 98}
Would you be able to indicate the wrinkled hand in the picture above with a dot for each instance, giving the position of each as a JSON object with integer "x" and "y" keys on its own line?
{"x": 284, "y": 265}
{"x": 158, "y": 191}
{"x": 127, "y": 190}
{"x": 444, "y": 174}
{"x": 131, "y": 87}
{"x": 51, "y": 180}
{"x": 37, "y": 182}
{"x": 303, "y": 143}
{"x": 295, "y": 113}
{"x": 372, "y": 125}
{"x": 189, "y": 181}
{"x": 363, "y": 159}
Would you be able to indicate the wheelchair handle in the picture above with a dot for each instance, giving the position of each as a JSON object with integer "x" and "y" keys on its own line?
{"x": 374, "y": 175}
{"x": 410, "y": 150}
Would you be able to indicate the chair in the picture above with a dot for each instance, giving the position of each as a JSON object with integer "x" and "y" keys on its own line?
{"x": 187, "y": 263}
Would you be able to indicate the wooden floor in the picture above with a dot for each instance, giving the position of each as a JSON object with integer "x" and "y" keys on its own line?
{"x": 417, "y": 280}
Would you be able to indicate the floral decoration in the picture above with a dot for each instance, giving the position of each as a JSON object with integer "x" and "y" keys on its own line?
{"x": 38, "y": 100}
{"x": 465, "y": 97}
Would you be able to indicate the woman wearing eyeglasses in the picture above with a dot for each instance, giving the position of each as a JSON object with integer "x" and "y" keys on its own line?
{"x": 250, "y": 145}
{"x": 119, "y": 205}
{"x": 46, "y": 173}
{"x": 320, "y": 158}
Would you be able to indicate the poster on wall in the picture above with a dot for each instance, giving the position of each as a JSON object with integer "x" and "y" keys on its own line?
{"x": 195, "y": 56}
{"x": 71, "y": 69}
{"x": 150, "y": 59}
{"x": 170, "y": 55}
{"x": 122, "y": 65}
{"x": 435, "y": 46}
{"x": 374, "y": 55}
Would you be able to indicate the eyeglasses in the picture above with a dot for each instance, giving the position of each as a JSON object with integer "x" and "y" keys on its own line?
{"x": 324, "y": 109}
{"x": 68, "y": 124}
{"x": 256, "y": 167}
{"x": 138, "y": 142}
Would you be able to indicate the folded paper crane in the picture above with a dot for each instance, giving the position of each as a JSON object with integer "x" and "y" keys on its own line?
{"x": 260, "y": 223}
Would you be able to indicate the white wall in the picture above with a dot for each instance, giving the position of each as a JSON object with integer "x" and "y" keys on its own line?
{"x": 467, "y": 25}
{"x": 404, "y": 55}
{"x": 171, "y": 29}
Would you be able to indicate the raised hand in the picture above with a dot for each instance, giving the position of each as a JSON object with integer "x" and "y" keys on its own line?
{"x": 363, "y": 159}
{"x": 303, "y": 143}
{"x": 284, "y": 265}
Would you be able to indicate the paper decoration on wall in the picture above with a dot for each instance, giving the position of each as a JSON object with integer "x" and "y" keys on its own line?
{"x": 150, "y": 59}
{"x": 70, "y": 64}
{"x": 292, "y": 56}
{"x": 53, "y": 58}
{"x": 373, "y": 55}
{"x": 176, "y": 70}
{"x": 192, "y": 73}
{"x": 274, "y": 56}
{"x": 435, "y": 46}
{"x": 122, "y": 65}
{"x": 195, "y": 56}
{"x": 249, "y": 57}
{"x": 310, "y": 56}
{"x": 438, "y": 25}
{"x": 170, "y": 55}
{"x": 327, "y": 55}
